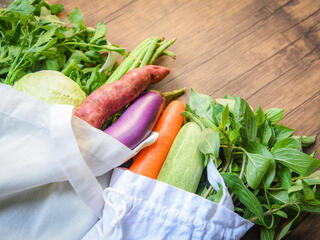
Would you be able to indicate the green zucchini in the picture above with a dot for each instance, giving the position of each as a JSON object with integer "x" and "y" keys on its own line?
{"x": 184, "y": 164}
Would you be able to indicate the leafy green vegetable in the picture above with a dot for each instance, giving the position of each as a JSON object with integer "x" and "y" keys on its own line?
{"x": 256, "y": 168}
{"x": 274, "y": 115}
{"x": 33, "y": 38}
{"x": 261, "y": 161}
{"x": 210, "y": 142}
{"x": 297, "y": 161}
{"x": 245, "y": 196}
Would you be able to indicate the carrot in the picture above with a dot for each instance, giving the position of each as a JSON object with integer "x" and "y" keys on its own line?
{"x": 110, "y": 98}
{"x": 149, "y": 161}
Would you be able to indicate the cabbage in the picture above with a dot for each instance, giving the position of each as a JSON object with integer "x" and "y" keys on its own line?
{"x": 52, "y": 87}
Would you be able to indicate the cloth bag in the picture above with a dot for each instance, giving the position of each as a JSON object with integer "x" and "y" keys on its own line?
{"x": 55, "y": 184}
{"x": 137, "y": 207}
{"x": 48, "y": 163}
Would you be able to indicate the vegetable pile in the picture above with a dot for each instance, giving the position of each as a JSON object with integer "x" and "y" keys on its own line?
{"x": 261, "y": 161}
{"x": 33, "y": 38}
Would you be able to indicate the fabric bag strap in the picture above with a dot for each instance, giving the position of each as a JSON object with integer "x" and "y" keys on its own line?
{"x": 70, "y": 159}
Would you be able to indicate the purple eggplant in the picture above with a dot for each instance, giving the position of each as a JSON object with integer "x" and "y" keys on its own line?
{"x": 138, "y": 120}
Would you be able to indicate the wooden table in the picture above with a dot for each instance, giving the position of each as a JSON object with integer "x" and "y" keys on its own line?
{"x": 266, "y": 51}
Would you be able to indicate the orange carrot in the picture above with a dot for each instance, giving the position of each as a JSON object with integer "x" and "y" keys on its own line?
{"x": 149, "y": 161}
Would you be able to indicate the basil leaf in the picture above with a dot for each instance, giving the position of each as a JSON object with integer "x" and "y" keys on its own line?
{"x": 289, "y": 142}
{"x": 260, "y": 117}
{"x": 226, "y": 101}
{"x": 280, "y": 197}
{"x": 265, "y": 133}
{"x": 296, "y": 187}
{"x": 282, "y": 131}
{"x": 76, "y": 19}
{"x": 257, "y": 167}
{"x": 267, "y": 234}
{"x": 306, "y": 141}
{"x": 287, "y": 227}
{"x": 246, "y": 197}
{"x": 244, "y": 115}
{"x": 309, "y": 208}
{"x": 201, "y": 104}
{"x": 281, "y": 213}
{"x": 274, "y": 115}
{"x": 224, "y": 118}
{"x": 308, "y": 194}
{"x": 285, "y": 177}
{"x": 298, "y": 162}
{"x": 210, "y": 142}
{"x": 313, "y": 179}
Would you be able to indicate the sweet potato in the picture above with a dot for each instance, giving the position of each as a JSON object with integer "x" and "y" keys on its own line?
{"x": 110, "y": 98}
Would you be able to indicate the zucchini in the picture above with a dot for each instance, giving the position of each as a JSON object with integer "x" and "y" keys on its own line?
{"x": 184, "y": 164}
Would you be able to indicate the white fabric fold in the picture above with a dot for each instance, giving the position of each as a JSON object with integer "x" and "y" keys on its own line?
{"x": 150, "y": 209}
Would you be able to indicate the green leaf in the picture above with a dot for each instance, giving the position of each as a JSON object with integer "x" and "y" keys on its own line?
{"x": 280, "y": 197}
{"x": 224, "y": 118}
{"x": 21, "y": 6}
{"x": 308, "y": 194}
{"x": 313, "y": 179}
{"x": 246, "y": 197}
{"x": 289, "y": 142}
{"x": 265, "y": 133}
{"x": 274, "y": 115}
{"x": 226, "y": 101}
{"x": 295, "y": 188}
{"x": 306, "y": 141}
{"x": 285, "y": 177}
{"x": 297, "y": 161}
{"x": 255, "y": 147}
{"x": 287, "y": 227}
{"x": 100, "y": 32}
{"x": 244, "y": 115}
{"x": 282, "y": 132}
{"x": 267, "y": 234}
{"x": 76, "y": 19}
{"x": 210, "y": 142}
{"x": 201, "y": 104}
{"x": 257, "y": 167}
{"x": 260, "y": 117}
{"x": 281, "y": 213}
{"x": 56, "y": 8}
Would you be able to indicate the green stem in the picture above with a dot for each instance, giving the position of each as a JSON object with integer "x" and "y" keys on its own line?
{"x": 168, "y": 96}
{"x": 228, "y": 160}
{"x": 243, "y": 165}
{"x": 208, "y": 192}
{"x": 269, "y": 212}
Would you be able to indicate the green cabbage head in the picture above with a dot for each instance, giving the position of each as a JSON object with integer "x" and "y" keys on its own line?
{"x": 52, "y": 87}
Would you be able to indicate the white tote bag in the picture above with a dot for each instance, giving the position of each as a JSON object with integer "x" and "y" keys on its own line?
{"x": 42, "y": 146}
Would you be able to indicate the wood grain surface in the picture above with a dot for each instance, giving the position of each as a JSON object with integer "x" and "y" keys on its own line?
{"x": 266, "y": 51}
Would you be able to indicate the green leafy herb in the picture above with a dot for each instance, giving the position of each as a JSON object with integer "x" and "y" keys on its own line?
{"x": 262, "y": 163}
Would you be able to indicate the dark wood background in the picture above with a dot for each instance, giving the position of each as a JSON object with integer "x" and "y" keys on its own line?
{"x": 266, "y": 51}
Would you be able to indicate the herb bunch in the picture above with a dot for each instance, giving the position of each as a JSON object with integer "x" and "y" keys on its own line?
{"x": 263, "y": 164}
{"x": 33, "y": 38}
